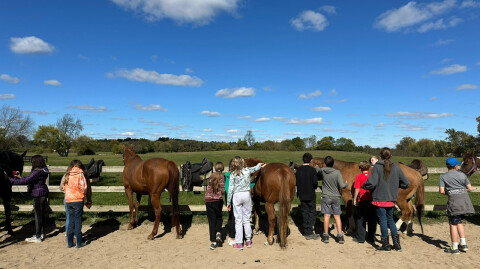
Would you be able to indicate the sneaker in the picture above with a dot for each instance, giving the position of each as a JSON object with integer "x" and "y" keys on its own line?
{"x": 312, "y": 236}
{"x": 463, "y": 248}
{"x": 248, "y": 244}
{"x": 231, "y": 242}
{"x": 218, "y": 238}
{"x": 213, "y": 246}
{"x": 340, "y": 239}
{"x": 452, "y": 251}
{"x": 42, "y": 236}
{"x": 238, "y": 246}
{"x": 325, "y": 238}
{"x": 33, "y": 239}
{"x": 357, "y": 241}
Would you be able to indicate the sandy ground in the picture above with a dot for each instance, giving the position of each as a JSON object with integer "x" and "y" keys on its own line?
{"x": 111, "y": 245}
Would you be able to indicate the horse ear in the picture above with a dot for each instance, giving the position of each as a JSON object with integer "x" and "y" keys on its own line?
{"x": 24, "y": 154}
{"x": 123, "y": 147}
{"x": 130, "y": 147}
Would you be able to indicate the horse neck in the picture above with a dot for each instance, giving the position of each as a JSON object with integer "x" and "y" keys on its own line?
{"x": 132, "y": 158}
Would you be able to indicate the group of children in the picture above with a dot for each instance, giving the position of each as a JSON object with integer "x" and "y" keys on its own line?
{"x": 76, "y": 189}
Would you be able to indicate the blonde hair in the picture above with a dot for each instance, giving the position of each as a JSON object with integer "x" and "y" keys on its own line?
{"x": 74, "y": 163}
{"x": 238, "y": 163}
{"x": 216, "y": 176}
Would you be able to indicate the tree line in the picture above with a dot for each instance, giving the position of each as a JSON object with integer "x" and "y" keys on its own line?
{"x": 16, "y": 129}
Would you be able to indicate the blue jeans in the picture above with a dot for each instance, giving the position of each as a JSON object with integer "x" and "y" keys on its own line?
{"x": 385, "y": 217}
{"x": 66, "y": 216}
{"x": 75, "y": 210}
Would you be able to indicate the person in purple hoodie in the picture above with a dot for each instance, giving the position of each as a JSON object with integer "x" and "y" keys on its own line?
{"x": 39, "y": 191}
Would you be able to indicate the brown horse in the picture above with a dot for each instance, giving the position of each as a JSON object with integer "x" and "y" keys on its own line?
{"x": 275, "y": 183}
{"x": 349, "y": 170}
{"x": 470, "y": 164}
{"x": 151, "y": 177}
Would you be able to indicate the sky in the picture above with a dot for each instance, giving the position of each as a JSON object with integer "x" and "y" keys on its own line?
{"x": 210, "y": 70}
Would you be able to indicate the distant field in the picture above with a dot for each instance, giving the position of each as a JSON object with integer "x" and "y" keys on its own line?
{"x": 111, "y": 159}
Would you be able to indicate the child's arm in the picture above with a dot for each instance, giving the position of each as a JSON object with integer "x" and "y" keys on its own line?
{"x": 355, "y": 196}
{"x": 26, "y": 180}
{"x": 403, "y": 182}
{"x": 341, "y": 183}
{"x": 372, "y": 180}
{"x": 469, "y": 187}
{"x": 441, "y": 190}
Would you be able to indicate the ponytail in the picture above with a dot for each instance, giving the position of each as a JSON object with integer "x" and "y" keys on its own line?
{"x": 385, "y": 154}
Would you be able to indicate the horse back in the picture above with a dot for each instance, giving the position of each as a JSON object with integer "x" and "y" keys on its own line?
{"x": 149, "y": 176}
{"x": 414, "y": 177}
{"x": 272, "y": 176}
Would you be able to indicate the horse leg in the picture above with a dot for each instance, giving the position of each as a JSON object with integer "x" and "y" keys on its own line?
{"x": 403, "y": 205}
{"x": 157, "y": 207}
{"x": 269, "y": 207}
{"x": 129, "y": 194}
{"x": 8, "y": 211}
{"x": 410, "y": 219}
{"x": 348, "y": 200}
{"x": 137, "y": 205}
{"x": 256, "y": 210}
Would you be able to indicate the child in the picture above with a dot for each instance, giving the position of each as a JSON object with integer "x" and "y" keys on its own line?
{"x": 456, "y": 186}
{"x": 239, "y": 196}
{"x": 332, "y": 183}
{"x": 39, "y": 192}
{"x": 307, "y": 182}
{"x": 231, "y": 218}
{"x": 75, "y": 187}
{"x": 384, "y": 180}
{"x": 362, "y": 199}
{"x": 214, "y": 204}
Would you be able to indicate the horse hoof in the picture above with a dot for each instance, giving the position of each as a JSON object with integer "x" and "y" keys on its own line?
{"x": 179, "y": 236}
{"x": 150, "y": 237}
{"x": 266, "y": 243}
{"x": 130, "y": 227}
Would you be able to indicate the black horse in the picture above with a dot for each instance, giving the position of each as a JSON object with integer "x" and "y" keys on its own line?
{"x": 9, "y": 162}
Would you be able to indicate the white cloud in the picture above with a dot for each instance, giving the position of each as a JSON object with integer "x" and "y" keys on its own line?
{"x": 446, "y": 60}
{"x": 443, "y": 42}
{"x": 467, "y": 87}
{"x": 141, "y": 75}
{"x": 356, "y": 124}
{"x": 420, "y": 115}
{"x": 43, "y": 112}
{"x": 280, "y": 118}
{"x": 210, "y": 113}
{"x": 470, "y": 4}
{"x": 90, "y": 108}
{"x": 52, "y": 82}
{"x": 309, "y": 20}
{"x": 292, "y": 133}
{"x": 305, "y": 121}
{"x": 7, "y": 96}
{"x": 309, "y": 95}
{"x": 188, "y": 70}
{"x": 235, "y": 92}
{"x": 439, "y": 24}
{"x": 333, "y": 92}
{"x": 321, "y": 108}
{"x": 232, "y": 131}
{"x": 328, "y": 9}
{"x": 449, "y": 70}
{"x": 128, "y": 134}
{"x": 330, "y": 130}
{"x": 412, "y": 14}
{"x": 207, "y": 130}
{"x": 263, "y": 119}
{"x": 181, "y": 11}
{"x": 30, "y": 45}
{"x": 245, "y": 117}
{"x": 409, "y": 127}
{"x": 150, "y": 107}
{"x": 9, "y": 79}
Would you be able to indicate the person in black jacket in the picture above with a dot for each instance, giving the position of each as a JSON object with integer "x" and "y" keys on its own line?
{"x": 307, "y": 182}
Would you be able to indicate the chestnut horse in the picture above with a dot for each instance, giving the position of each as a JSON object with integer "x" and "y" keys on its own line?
{"x": 470, "y": 164}
{"x": 151, "y": 177}
{"x": 275, "y": 183}
{"x": 349, "y": 170}
{"x": 9, "y": 162}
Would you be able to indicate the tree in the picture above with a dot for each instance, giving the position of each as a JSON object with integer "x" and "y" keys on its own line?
{"x": 426, "y": 147}
{"x": 478, "y": 125}
{"x": 297, "y": 144}
{"x": 68, "y": 129}
{"x": 47, "y": 137}
{"x": 249, "y": 138}
{"x": 242, "y": 144}
{"x": 460, "y": 141}
{"x": 310, "y": 142}
{"x": 326, "y": 143}
{"x": 344, "y": 144}
{"x": 405, "y": 143}
{"x": 85, "y": 145}
{"x": 14, "y": 125}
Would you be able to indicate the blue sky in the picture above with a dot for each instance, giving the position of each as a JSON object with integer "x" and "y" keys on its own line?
{"x": 371, "y": 71}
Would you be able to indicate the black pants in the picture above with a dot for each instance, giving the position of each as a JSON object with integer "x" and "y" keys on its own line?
{"x": 214, "y": 215}
{"x": 231, "y": 224}
{"x": 366, "y": 213}
{"x": 39, "y": 209}
{"x": 309, "y": 215}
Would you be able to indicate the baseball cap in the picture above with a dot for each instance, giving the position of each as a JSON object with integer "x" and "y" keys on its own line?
{"x": 452, "y": 162}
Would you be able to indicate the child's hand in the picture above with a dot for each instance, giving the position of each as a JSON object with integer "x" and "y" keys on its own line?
{"x": 229, "y": 207}
{"x": 88, "y": 205}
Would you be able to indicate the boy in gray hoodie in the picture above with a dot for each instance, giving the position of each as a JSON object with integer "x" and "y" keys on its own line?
{"x": 332, "y": 183}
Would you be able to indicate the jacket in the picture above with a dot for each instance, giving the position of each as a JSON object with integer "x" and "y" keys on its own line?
{"x": 210, "y": 195}
{"x": 307, "y": 183}
{"x": 37, "y": 181}
{"x": 385, "y": 190}
{"x": 76, "y": 188}
{"x": 241, "y": 182}
{"x": 332, "y": 183}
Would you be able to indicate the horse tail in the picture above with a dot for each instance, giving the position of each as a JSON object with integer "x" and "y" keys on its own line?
{"x": 420, "y": 201}
{"x": 285, "y": 204}
{"x": 173, "y": 190}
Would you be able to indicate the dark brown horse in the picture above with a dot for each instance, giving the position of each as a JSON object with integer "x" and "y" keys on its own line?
{"x": 151, "y": 177}
{"x": 9, "y": 162}
{"x": 470, "y": 164}
{"x": 349, "y": 170}
{"x": 275, "y": 183}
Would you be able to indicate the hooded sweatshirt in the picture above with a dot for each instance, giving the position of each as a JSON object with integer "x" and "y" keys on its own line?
{"x": 332, "y": 183}
{"x": 37, "y": 180}
{"x": 385, "y": 190}
{"x": 76, "y": 188}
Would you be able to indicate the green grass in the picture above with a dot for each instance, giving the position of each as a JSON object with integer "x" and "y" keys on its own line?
{"x": 111, "y": 159}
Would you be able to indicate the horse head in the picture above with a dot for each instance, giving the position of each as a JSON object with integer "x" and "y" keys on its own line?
{"x": 128, "y": 153}
{"x": 470, "y": 164}
{"x": 10, "y": 162}
{"x": 317, "y": 161}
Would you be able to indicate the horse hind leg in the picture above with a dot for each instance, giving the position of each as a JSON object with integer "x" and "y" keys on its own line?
{"x": 157, "y": 207}
{"x": 410, "y": 219}
{"x": 8, "y": 213}
{"x": 129, "y": 194}
{"x": 137, "y": 205}
{"x": 256, "y": 210}
{"x": 269, "y": 207}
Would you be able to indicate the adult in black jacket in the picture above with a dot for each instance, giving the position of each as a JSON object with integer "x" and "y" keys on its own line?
{"x": 307, "y": 182}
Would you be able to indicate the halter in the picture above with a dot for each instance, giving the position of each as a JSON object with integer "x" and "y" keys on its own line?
{"x": 473, "y": 169}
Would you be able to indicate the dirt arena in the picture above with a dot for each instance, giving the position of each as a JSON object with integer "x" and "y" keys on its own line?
{"x": 111, "y": 245}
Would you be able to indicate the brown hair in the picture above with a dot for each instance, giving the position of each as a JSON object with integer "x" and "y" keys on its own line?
{"x": 386, "y": 154}
{"x": 364, "y": 166}
{"x": 216, "y": 176}
{"x": 38, "y": 162}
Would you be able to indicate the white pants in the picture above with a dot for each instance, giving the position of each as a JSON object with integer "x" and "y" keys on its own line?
{"x": 242, "y": 209}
